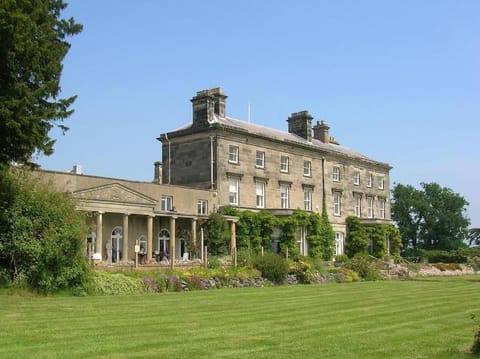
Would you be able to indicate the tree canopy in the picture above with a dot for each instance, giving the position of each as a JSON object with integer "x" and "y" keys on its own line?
{"x": 432, "y": 217}
{"x": 32, "y": 48}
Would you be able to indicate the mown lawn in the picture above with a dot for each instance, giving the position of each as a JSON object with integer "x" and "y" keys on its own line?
{"x": 388, "y": 319}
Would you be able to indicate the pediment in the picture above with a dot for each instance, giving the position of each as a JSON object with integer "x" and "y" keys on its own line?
{"x": 114, "y": 192}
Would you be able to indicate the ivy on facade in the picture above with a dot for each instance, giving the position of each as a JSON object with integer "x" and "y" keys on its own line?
{"x": 378, "y": 240}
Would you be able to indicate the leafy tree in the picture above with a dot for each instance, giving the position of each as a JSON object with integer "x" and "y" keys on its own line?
{"x": 217, "y": 234}
{"x": 32, "y": 48}
{"x": 41, "y": 235}
{"x": 430, "y": 218}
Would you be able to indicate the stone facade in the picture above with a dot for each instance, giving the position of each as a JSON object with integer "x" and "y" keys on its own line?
{"x": 217, "y": 161}
{"x": 122, "y": 214}
{"x": 255, "y": 167}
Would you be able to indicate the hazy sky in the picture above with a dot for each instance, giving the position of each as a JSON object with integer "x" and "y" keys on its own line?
{"x": 398, "y": 81}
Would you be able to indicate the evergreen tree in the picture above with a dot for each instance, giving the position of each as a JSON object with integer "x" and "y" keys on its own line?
{"x": 32, "y": 48}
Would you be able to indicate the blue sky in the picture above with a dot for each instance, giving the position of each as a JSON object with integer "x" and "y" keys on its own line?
{"x": 398, "y": 81}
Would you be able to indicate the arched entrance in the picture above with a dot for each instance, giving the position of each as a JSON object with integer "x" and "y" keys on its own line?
{"x": 117, "y": 242}
{"x": 163, "y": 245}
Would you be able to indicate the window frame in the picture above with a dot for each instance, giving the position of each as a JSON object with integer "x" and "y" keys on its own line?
{"x": 262, "y": 158}
{"x": 381, "y": 208}
{"x": 337, "y": 204}
{"x": 336, "y": 174}
{"x": 233, "y": 154}
{"x": 164, "y": 201}
{"x": 381, "y": 182}
{"x": 358, "y": 205}
{"x": 284, "y": 196}
{"x": 284, "y": 164}
{"x": 356, "y": 178}
{"x": 370, "y": 204}
{"x": 369, "y": 180}
{"x": 307, "y": 198}
{"x": 235, "y": 181}
{"x": 202, "y": 207}
{"x": 260, "y": 197}
{"x": 307, "y": 168}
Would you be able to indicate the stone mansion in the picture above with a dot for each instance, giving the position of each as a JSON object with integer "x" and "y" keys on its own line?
{"x": 216, "y": 161}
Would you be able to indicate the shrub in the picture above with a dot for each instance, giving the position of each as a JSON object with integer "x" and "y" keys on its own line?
{"x": 116, "y": 283}
{"x": 273, "y": 267}
{"x": 41, "y": 235}
{"x": 195, "y": 282}
{"x": 346, "y": 275}
{"x": 475, "y": 348}
{"x": 5, "y": 280}
{"x": 151, "y": 284}
{"x": 437, "y": 256}
{"x": 245, "y": 258}
{"x": 303, "y": 271}
{"x": 214, "y": 263}
{"x": 363, "y": 265}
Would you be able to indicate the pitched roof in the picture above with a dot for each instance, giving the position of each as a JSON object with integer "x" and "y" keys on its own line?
{"x": 286, "y": 136}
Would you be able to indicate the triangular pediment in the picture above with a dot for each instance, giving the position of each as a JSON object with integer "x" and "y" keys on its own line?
{"x": 114, "y": 192}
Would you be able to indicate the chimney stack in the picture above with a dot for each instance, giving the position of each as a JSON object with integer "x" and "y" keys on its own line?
{"x": 208, "y": 104}
{"x": 300, "y": 123}
{"x": 157, "y": 176}
{"x": 320, "y": 132}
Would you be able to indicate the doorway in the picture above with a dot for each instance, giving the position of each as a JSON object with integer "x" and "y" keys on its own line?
{"x": 117, "y": 243}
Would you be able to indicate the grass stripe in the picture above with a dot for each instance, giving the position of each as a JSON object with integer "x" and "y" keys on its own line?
{"x": 412, "y": 319}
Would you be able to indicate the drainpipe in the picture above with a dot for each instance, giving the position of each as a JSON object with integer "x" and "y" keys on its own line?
{"x": 166, "y": 137}
{"x": 324, "y": 201}
{"x": 211, "y": 162}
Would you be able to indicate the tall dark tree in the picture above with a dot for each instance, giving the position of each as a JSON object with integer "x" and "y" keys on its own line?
{"x": 32, "y": 47}
{"x": 432, "y": 217}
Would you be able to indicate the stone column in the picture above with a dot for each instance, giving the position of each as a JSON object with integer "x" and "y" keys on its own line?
{"x": 98, "y": 239}
{"x": 125, "y": 238}
{"x": 149, "y": 237}
{"x": 194, "y": 234}
{"x": 172, "y": 241}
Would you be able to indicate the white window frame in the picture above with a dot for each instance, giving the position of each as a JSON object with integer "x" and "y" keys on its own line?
{"x": 260, "y": 159}
{"x": 143, "y": 244}
{"x": 339, "y": 243}
{"x": 284, "y": 164}
{"x": 381, "y": 182}
{"x": 260, "y": 194}
{"x": 382, "y": 206}
{"x": 307, "y": 168}
{"x": 337, "y": 204}
{"x": 233, "y": 153}
{"x": 369, "y": 180}
{"x": 370, "y": 202}
{"x": 307, "y": 198}
{"x": 202, "y": 206}
{"x": 284, "y": 196}
{"x": 166, "y": 203}
{"x": 233, "y": 187}
{"x": 356, "y": 178}
{"x": 358, "y": 205}
{"x": 336, "y": 174}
